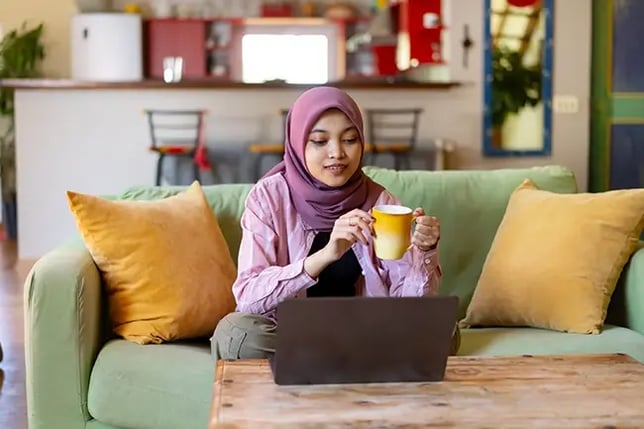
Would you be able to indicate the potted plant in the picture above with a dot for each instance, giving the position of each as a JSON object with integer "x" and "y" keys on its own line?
{"x": 514, "y": 86}
{"x": 21, "y": 52}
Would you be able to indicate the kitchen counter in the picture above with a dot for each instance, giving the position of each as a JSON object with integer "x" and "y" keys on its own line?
{"x": 93, "y": 137}
{"x": 380, "y": 83}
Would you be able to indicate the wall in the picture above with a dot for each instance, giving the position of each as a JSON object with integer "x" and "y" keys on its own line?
{"x": 109, "y": 152}
{"x": 571, "y": 76}
{"x": 572, "y": 35}
{"x": 56, "y": 16}
{"x": 459, "y": 115}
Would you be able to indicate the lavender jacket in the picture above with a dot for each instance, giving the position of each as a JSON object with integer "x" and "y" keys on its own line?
{"x": 276, "y": 241}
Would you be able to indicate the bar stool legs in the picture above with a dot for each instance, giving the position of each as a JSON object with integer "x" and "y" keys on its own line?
{"x": 159, "y": 169}
{"x": 196, "y": 173}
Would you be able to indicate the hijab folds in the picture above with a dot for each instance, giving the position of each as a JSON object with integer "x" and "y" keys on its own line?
{"x": 320, "y": 205}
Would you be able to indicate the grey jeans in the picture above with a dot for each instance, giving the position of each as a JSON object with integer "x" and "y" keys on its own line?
{"x": 243, "y": 336}
{"x": 251, "y": 336}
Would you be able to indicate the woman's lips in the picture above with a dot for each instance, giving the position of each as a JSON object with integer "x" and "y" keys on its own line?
{"x": 336, "y": 168}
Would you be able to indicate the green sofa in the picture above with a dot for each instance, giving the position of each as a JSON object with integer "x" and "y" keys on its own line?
{"x": 80, "y": 376}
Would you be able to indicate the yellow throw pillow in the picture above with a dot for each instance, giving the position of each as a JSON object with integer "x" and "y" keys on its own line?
{"x": 165, "y": 263}
{"x": 556, "y": 258}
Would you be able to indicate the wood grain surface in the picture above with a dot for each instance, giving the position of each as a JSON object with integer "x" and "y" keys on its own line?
{"x": 568, "y": 391}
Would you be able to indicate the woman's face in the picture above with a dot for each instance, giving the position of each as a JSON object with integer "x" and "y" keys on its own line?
{"x": 333, "y": 150}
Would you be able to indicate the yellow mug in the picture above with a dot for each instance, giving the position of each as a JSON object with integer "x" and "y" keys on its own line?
{"x": 392, "y": 228}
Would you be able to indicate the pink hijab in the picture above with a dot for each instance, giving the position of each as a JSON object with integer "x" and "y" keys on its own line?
{"x": 318, "y": 204}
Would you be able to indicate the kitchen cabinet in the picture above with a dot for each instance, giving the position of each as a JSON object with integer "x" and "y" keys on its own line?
{"x": 374, "y": 58}
{"x": 204, "y": 45}
{"x": 359, "y": 60}
{"x": 420, "y": 32}
{"x": 176, "y": 38}
{"x": 211, "y": 48}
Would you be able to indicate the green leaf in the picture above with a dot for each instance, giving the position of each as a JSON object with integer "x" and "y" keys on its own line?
{"x": 514, "y": 85}
{"x": 21, "y": 53}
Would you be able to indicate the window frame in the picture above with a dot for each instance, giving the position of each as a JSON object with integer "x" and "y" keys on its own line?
{"x": 330, "y": 29}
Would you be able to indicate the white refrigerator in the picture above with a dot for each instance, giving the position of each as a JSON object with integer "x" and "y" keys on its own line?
{"x": 107, "y": 47}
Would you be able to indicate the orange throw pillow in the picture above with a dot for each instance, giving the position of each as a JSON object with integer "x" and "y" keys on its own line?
{"x": 166, "y": 266}
{"x": 556, "y": 258}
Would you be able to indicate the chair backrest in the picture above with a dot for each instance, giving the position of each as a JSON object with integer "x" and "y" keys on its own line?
{"x": 176, "y": 127}
{"x": 283, "y": 115}
{"x": 386, "y": 127}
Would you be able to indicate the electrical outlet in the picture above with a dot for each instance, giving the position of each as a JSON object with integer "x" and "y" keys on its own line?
{"x": 565, "y": 104}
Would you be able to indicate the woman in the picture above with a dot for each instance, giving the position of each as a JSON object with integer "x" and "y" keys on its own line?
{"x": 307, "y": 231}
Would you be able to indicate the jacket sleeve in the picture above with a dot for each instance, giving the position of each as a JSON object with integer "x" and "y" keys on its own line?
{"x": 261, "y": 281}
{"x": 417, "y": 273}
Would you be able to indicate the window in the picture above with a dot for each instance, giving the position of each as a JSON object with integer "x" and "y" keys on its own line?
{"x": 295, "y": 58}
{"x": 305, "y": 53}
{"x": 519, "y": 29}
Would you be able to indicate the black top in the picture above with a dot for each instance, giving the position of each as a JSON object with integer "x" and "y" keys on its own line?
{"x": 339, "y": 278}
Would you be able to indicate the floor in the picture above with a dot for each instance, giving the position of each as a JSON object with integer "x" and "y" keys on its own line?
{"x": 13, "y": 408}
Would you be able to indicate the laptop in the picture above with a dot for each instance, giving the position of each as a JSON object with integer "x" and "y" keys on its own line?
{"x": 332, "y": 340}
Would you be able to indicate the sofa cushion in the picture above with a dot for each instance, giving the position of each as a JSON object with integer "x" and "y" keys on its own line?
{"x": 226, "y": 200}
{"x": 96, "y": 424}
{"x": 470, "y": 205}
{"x": 555, "y": 259}
{"x": 155, "y": 386}
{"x": 166, "y": 266}
{"x": 519, "y": 341}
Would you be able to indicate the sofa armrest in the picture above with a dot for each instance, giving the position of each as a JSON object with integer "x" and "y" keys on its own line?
{"x": 626, "y": 306}
{"x": 62, "y": 337}
{"x": 633, "y": 284}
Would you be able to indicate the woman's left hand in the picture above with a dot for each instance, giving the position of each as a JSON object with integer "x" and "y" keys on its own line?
{"x": 427, "y": 231}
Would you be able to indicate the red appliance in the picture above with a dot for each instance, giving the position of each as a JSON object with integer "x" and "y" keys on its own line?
{"x": 421, "y": 22}
{"x": 385, "y": 60}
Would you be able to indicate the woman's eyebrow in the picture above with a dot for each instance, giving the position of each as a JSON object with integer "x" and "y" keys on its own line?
{"x": 320, "y": 130}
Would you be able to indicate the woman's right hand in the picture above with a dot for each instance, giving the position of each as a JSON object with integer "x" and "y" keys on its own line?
{"x": 350, "y": 228}
{"x": 355, "y": 226}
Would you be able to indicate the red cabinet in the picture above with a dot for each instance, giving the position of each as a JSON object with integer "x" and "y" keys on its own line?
{"x": 420, "y": 28}
{"x": 176, "y": 37}
{"x": 375, "y": 58}
{"x": 204, "y": 44}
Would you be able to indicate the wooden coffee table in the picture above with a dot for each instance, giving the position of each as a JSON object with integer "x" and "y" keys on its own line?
{"x": 567, "y": 391}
